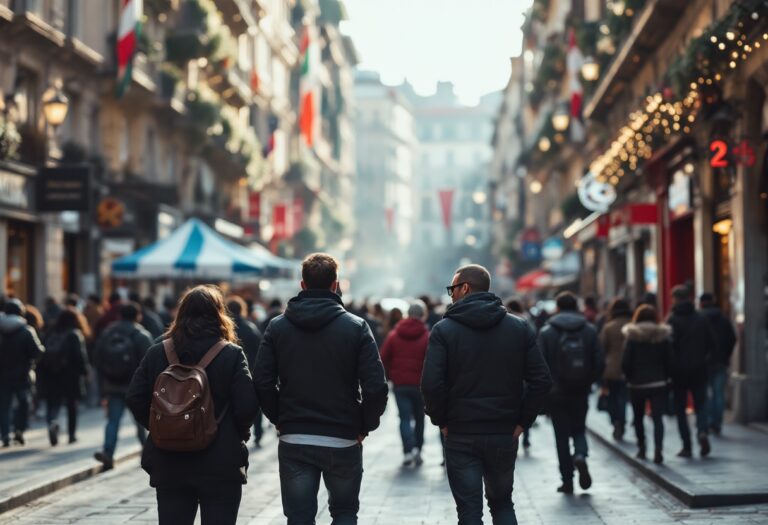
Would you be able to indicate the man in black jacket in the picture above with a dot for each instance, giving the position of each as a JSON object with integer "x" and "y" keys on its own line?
{"x": 570, "y": 346}
{"x": 484, "y": 382}
{"x": 319, "y": 379}
{"x": 693, "y": 344}
{"x": 19, "y": 349}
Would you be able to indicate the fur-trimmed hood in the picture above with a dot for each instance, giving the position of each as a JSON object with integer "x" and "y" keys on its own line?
{"x": 647, "y": 332}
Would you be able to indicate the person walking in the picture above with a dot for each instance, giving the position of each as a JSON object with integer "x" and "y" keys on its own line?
{"x": 149, "y": 318}
{"x": 646, "y": 365}
{"x": 201, "y": 335}
{"x": 720, "y": 360}
{"x": 612, "y": 341}
{"x": 693, "y": 344}
{"x": 515, "y": 307}
{"x": 119, "y": 350}
{"x": 484, "y": 382}
{"x": 572, "y": 350}
{"x": 19, "y": 349}
{"x": 111, "y": 315}
{"x": 320, "y": 381}
{"x": 403, "y": 358}
{"x": 62, "y": 371}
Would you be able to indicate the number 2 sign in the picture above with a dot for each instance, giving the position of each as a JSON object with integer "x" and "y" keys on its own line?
{"x": 722, "y": 155}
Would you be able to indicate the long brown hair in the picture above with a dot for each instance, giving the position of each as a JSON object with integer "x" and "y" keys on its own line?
{"x": 645, "y": 313}
{"x": 71, "y": 319}
{"x": 201, "y": 314}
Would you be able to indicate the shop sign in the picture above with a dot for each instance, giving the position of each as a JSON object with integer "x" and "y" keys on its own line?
{"x": 531, "y": 251}
{"x": 553, "y": 249}
{"x": 595, "y": 195}
{"x": 680, "y": 194}
{"x": 110, "y": 213}
{"x": 14, "y": 190}
{"x": 722, "y": 154}
{"x": 64, "y": 188}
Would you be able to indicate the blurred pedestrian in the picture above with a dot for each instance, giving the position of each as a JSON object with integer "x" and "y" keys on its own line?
{"x": 479, "y": 360}
{"x": 572, "y": 350}
{"x": 149, "y": 318}
{"x": 720, "y": 360}
{"x": 202, "y": 334}
{"x": 320, "y": 381}
{"x": 51, "y": 311}
{"x": 168, "y": 314}
{"x": 275, "y": 309}
{"x": 35, "y": 321}
{"x": 432, "y": 316}
{"x": 92, "y": 311}
{"x": 249, "y": 338}
{"x": 119, "y": 350}
{"x": 612, "y": 340}
{"x": 403, "y": 358}
{"x": 393, "y": 318}
{"x": 20, "y": 349}
{"x": 646, "y": 364}
{"x": 62, "y": 371}
{"x": 111, "y": 315}
{"x": 693, "y": 344}
{"x": 515, "y": 307}
{"x": 591, "y": 309}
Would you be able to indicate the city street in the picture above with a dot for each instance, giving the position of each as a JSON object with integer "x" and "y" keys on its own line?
{"x": 391, "y": 494}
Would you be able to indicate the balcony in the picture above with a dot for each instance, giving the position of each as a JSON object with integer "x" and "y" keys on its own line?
{"x": 652, "y": 26}
{"x": 232, "y": 84}
{"x": 237, "y": 14}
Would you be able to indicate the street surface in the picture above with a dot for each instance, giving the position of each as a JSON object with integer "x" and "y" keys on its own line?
{"x": 391, "y": 494}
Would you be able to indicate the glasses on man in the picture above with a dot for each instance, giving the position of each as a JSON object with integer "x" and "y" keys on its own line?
{"x": 453, "y": 287}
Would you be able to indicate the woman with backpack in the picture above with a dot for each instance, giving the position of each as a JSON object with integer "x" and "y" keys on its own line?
{"x": 194, "y": 394}
{"x": 62, "y": 371}
{"x": 646, "y": 364}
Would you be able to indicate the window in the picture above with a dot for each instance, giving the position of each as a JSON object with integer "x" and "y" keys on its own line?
{"x": 426, "y": 208}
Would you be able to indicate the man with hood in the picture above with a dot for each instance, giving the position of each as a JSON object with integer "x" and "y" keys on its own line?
{"x": 572, "y": 350}
{"x": 320, "y": 381}
{"x": 484, "y": 382}
{"x": 19, "y": 349}
{"x": 403, "y": 357}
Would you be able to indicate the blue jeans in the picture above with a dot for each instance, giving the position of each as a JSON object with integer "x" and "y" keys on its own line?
{"x": 20, "y": 413}
{"x": 617, "y": 401}
{"x": 699, "y": 392}
{"x": 300, "y": 469}
{"x": 717, "y": 382}
{"x": 474, "y": 459}
{"x": 411, "y": 409}
{"x": 115, "y": 409}
{"x": 569, "y": 420}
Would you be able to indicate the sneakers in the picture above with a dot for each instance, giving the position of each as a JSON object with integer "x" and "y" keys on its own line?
{"x": 585, "y": 480}
{"x": 704, "y": 444}
{"x": 417, "y": 457}
{"x": 565, "y": 488}
{"x": 105, "y": 460}
{"x": 409, "y": 459}
{"x": 18, "y": 437}
{"x": 53, "y": 433}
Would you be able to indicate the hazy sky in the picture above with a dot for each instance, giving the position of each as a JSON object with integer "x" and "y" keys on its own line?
{"x": 466, "y": 42}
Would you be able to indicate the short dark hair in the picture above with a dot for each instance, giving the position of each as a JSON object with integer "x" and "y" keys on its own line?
{"x": 14, "y": 306}
{"x": 619, "y": 308}
{"x": 236, "y": 305}
{"x": 590, "y": 302}
{"x": 72, "y": 299}
{"x": 319, "y": 271}
{"x": 707, "y": 298}
{"x": 645, "y": 313}
{"x": 515, "y": 306}
{"x": 149, "y": 303}
{"x": 681, "y": 292}
{"x": 115, "y": 298}
{"x": 130, "y": 311}
{"x": 134, "y": 297}
{"x": 567, "y": 302}
{"x": 476, "y": 276}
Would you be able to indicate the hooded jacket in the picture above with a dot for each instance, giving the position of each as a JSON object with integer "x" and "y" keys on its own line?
{"x": 648, "y": 354}
{"x": 250, "y": 338}
{"x": 318, "y": 370}
{"x": 693, "y": 344}
{"x": 484, "y": 373}
{"x": 141, "y": 340}
{"x": 19, "y": 349}
{"x": 612, "y": 342}
{"x": 404, "y": 350}
{"x": 549, "y": 341}
{"x": 725, "y": 335}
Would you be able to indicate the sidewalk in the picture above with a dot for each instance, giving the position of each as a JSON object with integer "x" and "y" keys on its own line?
{"x": 733, "y": 474}
{"x": 37, "y": 468}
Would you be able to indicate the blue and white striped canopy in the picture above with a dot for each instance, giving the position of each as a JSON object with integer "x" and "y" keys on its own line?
{"x": 195, "y": 251}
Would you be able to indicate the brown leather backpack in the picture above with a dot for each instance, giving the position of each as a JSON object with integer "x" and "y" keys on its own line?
{"x": 181, "y": 416}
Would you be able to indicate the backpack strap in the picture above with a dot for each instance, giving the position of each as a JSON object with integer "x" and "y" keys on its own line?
{"x": 170, "y": 353}
{"x": 211, "y": 354}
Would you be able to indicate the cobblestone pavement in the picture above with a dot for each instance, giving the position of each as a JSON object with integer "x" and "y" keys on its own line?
{"x": 393, "y": 495}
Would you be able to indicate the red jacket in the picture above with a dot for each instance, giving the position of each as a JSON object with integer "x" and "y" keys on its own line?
{"x": 404, "y": 350}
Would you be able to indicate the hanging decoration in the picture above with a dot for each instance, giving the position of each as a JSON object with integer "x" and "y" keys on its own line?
{"x": 308, "y": 97}
{"x": 389, "y": 216}
{"x": 128, "y": 34}
{"x": 574, "y": 61}
{"x": 446, "y": 206}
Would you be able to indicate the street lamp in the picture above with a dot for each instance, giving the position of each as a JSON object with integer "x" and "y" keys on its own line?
{"x": 544, "y": 144}
{"x": 55, "y": 106}
{"x": 535, "y": 187}
{"x": 561, "y": 118}
{"x": 590, "y": 69}
{"x": 479, "y": 197}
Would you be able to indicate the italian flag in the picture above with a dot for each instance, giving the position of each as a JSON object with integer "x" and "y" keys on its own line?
{"x": 128, "y": 32}
{"x": 307, "y": 89}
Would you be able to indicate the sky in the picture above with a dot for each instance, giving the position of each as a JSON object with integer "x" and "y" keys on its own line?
{"x": 467, "y": 42}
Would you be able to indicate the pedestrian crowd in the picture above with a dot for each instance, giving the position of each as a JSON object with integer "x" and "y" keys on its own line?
{"x": 199, "y": 376}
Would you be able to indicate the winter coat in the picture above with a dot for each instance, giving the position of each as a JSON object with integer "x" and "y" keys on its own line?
{"x": 647, "y": 360}
{"x": 112, "y": 315}
{"x": 612, "y": 343}
{"x": 19, "y": 349}
{"x": 549, "y": 342}
{"x": 152, "y": 323}
{"x": 725, "y": 336}
{"x": 404, "y": 350}
{"x": 318, "y": 370}
{"x": 68, "y": 382}
{"x": 229, "y": 380}
{"x": 249, "y": 337}
{"x": 484, "y": 373}
{"x": 141, "y": 342}
{"x": 693, "y": 342}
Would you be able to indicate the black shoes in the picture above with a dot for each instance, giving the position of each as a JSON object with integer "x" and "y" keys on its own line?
{"x": 685, "y": 453}
{"x": 105, "y": 460}
{"x": 18, "y": 437}
{"x": 640, "y": 452}
{"x": 565, "y": 488}
{"x": 704, "y": 444}
{"x": 618, "y": 432}
{"x": 658, "y": 458}
{"x": 585, "y": 480}
{"x": 53, "y": 433}
{"x": 6, "y": 443}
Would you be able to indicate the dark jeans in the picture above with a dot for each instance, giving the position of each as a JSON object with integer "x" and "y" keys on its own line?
{"x": 219, "y": 503}
{"x": 258, "y": 428}
{"x": 699, "y": 392}
{"x": 657, "y": 398}
{"x": 300, "y": 469}
{"x": 569, "y": 419}
{"x": 20, "y": 413}
{"x": 115, "y": 409}
{"x": 717, "y": 381}
{"x": 411, "y": 409}
{"x": 474, "y": 459}
{"x": 617, "y": 401}
{"x": 53, "y": 406}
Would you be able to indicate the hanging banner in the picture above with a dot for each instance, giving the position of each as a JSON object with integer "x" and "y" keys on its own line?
{"x": 254, "y": 205}
{"x": 389, "y": 215}
{"x": 279, "y": 222}
{"x": 446, "y": 205}
{"x": 298, "y": 216}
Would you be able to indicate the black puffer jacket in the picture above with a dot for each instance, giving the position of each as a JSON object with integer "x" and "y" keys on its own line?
{"x": 693, "y": 344}
{"x": 647, "y": 359}
{"x": 226, "y": 459}
{"x": 326, "y": 364}
{"x": 19, "y": 349}
{"x": 549, "y": 342}
{"x": 725, "y": 335}
{"x": 68, "y": 381}
{"x": 483, "y": 373}
{"x": 250, "y": 338}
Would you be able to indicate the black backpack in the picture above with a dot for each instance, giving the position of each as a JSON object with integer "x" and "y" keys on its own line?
{"x": 574, "y": 367}
{"x": 56, "y": 356}
{"x": 118, "y": 356}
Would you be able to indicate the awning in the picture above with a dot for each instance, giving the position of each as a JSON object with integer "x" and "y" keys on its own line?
{"x": 533, "y": 280}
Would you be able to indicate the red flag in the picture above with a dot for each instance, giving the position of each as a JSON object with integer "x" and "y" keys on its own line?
{"x": 298, "y": 215}
{"x": 389, "y": 215}
{"x": 254, "y": 205}
{"x": 279, "y": 216}
{"x": 446, "y": 205}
